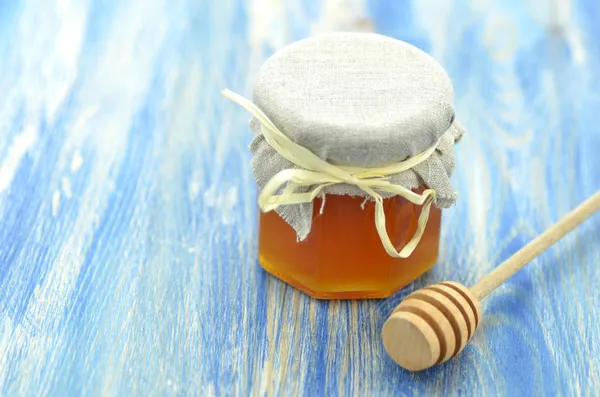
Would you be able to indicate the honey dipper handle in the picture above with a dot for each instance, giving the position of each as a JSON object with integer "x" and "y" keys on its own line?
{"x": 526, "y": 254}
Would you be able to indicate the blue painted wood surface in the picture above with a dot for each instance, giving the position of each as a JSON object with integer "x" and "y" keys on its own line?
{"x": 128, "y": 213}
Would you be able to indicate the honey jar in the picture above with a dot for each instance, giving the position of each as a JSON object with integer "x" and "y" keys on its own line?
{"x": 353, "y": 153}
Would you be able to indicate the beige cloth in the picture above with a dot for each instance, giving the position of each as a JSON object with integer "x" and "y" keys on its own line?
{"x": 357, "y": 99}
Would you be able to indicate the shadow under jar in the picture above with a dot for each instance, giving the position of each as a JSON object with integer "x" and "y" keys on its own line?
{"x": 360, "y": 102}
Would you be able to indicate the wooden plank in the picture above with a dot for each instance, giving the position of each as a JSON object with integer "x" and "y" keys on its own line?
{"x": 128, "y": 244}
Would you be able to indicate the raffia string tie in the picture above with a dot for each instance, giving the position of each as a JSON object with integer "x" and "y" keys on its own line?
{"x": 317, "y": 174}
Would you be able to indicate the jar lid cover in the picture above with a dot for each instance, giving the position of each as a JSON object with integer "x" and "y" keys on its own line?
{"x": 358, "y": 99}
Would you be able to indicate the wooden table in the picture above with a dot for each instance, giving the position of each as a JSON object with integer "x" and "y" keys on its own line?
{"x": 128, "y": 233}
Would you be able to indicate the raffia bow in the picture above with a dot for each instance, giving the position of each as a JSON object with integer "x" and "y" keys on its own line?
{"x": 317, "y": 174}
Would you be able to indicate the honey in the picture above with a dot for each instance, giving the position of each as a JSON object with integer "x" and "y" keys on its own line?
{"x": 342, "y": 257}
{"x": 354, "y": 117}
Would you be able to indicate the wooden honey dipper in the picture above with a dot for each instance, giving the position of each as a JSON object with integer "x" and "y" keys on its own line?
{"x": 435, "y": 323}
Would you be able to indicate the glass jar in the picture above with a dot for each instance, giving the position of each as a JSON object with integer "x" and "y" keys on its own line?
{"x": 365, "y": 123}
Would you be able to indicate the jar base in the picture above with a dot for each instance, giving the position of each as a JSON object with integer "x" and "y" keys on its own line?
{"x": 336, "y": 295}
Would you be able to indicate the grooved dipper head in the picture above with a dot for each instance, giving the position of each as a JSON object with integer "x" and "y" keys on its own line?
{"x": 431, "y": 325}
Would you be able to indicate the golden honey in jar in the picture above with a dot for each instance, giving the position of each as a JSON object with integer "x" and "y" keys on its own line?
{"x": 353, "y": 153}
{"x": 362, "y": 269}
